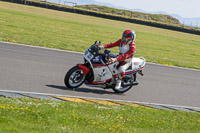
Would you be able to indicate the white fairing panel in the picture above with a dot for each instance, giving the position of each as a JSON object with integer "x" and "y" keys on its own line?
{"x": 101, "y": 74}
{"x": 138, "y": 63}
{"x": 104, "y": 73}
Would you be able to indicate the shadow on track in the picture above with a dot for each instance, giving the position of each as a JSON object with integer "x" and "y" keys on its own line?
{"x": 86, "y": 90}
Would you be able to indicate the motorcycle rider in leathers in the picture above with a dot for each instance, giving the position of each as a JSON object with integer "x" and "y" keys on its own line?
{"x": 127, "y": 48}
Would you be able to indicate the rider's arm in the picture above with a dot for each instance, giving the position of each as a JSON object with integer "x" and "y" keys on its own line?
{"x": 128, "y": 54}
{"x": 112, "y": 44}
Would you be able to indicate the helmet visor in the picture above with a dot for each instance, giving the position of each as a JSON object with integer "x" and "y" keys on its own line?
{"x": 125, "y": 40}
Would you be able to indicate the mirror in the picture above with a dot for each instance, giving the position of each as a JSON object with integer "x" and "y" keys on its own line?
{"x": 107, "y": 51}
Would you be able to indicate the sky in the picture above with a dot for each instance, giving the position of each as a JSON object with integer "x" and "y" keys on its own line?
{"x": 186, "y": 11}
{"x": 183, "y": 8}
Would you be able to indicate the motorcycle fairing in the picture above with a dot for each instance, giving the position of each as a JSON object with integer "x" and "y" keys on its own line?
{"x": 84, "y": 68}
{"x": 102, "y": 72}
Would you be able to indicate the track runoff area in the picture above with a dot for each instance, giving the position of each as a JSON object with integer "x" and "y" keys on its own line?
{"x": 92, "y": 100}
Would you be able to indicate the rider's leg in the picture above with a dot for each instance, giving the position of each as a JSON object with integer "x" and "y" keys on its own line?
{"x": 121, "y": 73}
{"x": 119, "y": 81}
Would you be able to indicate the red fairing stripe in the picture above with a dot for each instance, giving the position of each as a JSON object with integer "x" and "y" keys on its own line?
{"x": 83, "y": 68}
{"x": 116, "y": 75}
{"x": 129, "y": 72}
{"x": 97, "y": 65}
{"x": 134, "y": 70}
{"x": 122, "y": 75}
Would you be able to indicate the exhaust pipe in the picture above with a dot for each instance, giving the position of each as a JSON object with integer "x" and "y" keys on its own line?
{"x": 130, "y": 84}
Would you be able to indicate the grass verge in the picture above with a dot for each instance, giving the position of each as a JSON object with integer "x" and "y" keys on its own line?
{"x": 33, "y": 115}
{"x": 70, "y": 31}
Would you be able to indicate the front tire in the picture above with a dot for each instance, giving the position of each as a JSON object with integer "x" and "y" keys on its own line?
{"x": 74, "y": 77}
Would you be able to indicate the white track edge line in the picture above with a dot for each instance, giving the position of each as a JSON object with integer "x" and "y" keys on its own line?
{"x": 32, "y": 46}
{"x": 114, "y": 100}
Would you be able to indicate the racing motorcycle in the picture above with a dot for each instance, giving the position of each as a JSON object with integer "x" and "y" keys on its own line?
{"x": 98, "y": 71}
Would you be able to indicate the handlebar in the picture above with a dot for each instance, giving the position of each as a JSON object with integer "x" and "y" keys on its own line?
{"x": 95, "y": 50}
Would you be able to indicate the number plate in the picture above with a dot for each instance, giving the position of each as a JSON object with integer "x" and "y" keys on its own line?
{"x": 88, "y": 55}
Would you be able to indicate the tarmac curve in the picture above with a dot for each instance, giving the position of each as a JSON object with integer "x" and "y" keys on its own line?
{"x": 42, "y": 70}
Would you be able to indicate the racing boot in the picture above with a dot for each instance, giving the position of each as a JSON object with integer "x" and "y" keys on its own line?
{"x": 118, "y": 84}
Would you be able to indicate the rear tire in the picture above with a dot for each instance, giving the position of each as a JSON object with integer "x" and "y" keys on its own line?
{"x": 124, "y": 89}
{"x": 74, "y": 77}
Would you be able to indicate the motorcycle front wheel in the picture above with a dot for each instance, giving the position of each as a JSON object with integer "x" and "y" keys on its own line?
{"x": 74, "y": 77}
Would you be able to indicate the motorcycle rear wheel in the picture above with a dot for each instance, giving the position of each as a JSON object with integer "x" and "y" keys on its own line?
{"x": 74, "y": 77}
{"x": 124, "y": 89}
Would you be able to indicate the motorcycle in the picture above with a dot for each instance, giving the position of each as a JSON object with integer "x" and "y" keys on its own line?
{"x": 98, "y": 71}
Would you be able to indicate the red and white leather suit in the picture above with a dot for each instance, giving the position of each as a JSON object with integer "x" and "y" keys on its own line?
{"x": 126, "y": 52}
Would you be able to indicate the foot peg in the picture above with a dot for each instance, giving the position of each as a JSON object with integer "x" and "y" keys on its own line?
{"x": 141, "y": 73}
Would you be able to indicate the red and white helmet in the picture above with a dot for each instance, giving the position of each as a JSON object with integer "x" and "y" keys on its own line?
{"x": 128, "y": 36}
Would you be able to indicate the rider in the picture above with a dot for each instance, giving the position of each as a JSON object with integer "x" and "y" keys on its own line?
{"x": 127, "y": 48}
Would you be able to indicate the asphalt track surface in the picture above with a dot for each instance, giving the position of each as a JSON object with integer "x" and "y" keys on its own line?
{"x": 34, "y": 69}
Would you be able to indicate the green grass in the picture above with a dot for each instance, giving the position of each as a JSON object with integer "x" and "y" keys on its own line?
{"x": 43, "y": 116}
{"x": 70, "y": 31}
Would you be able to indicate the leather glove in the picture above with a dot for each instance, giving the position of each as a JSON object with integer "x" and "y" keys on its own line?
{"x": 112, "y": 60}
{"x": 98, "y": 43}
{"x": 101, "y": 46}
